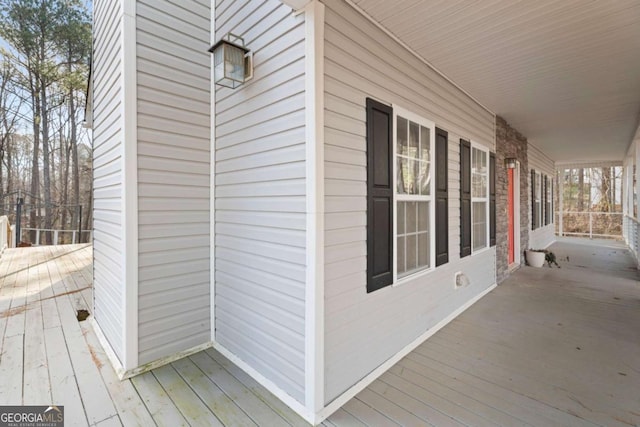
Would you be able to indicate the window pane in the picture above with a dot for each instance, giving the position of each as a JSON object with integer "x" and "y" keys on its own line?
{"x": 401, "y": 166}
{"x": 423, "y": 250}
{"x": 414, "y": 139}
{"x": 416, "y": 174}
{"x": 424, "y": 178}
{"x": 412, "y": 252}
{"x": 412, "y": 213}
{"x": 400, "y": 255}
{"x": 478, "y": 173}
{"x": 401, "y": 145}
{"x": 400, "y": 220}
{"x": 423, "y": 216}
{"x": 425, "y": 143}
{"x": 410, "y": 178}
{"x": 479, "y": 225}
{"x": 413, "y": 244}
{"x": 407, "y": 176}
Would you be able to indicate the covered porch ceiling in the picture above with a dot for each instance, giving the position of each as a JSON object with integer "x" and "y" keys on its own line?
{"x": 565, "y": 73}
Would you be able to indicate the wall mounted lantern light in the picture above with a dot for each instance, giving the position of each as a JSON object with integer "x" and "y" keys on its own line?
{"x": 510, "y": 162}
{"x": 232, "y": 62}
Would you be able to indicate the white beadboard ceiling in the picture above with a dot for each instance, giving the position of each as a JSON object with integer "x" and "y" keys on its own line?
{"x": 565, "y": 73}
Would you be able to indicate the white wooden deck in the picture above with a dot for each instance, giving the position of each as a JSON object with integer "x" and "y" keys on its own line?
{"x": 549, "y": 347}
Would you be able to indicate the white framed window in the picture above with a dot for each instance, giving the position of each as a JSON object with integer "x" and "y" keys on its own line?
{"x": 549, "y": 195}
{"x": 414, "y": 184}
{"x": 539, "y": 198}
{"x": 479, "y": 197}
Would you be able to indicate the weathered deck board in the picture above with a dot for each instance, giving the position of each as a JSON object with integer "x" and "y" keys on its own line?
{"x": 510, "y": 360}
{"x": 36, "y": 386}
{"x": 215, "y": 399}
{"x": 128, "y": 403}
{"x": 529, "y": 410}
{"x": 367, "y": 414}
{"x": 157, "y": 401}
{"x": 238, "y": 392}
{"x": 186, "y": 400}
{"x": 11, "y": 370}
{"x": 63, "y": 380}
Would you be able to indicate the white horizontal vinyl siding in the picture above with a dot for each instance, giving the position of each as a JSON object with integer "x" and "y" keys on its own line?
{"x": 108, "y": 244}
{"x": 363, "y": 330}
{"x": 541, "y": 237}
{"x": 173, "y": 84}
{"x": 260, "y": 196}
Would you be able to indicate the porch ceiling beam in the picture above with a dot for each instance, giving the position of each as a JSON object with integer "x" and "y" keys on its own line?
{"x": 588, "y": 164}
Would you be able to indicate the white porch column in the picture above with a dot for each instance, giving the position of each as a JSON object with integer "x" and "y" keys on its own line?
{"x": 636, "y": 161}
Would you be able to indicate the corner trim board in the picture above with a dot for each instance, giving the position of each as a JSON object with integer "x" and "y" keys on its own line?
{"x": 130, "y": 190}
{"x": 212, "y": 184}
{"x": 314, "y": 163}
{"x": 108, "y": 350}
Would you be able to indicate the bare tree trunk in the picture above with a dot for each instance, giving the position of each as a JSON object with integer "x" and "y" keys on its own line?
{"x": 74, "y": 152}
{"x": 35, "y": 166}
{"x": 46, "y": 161}
{"x": 605, "y": 189}
{"x": 64, "y": 158}
{"x": 580, "y": 190}
{"x": 9, "y": 155}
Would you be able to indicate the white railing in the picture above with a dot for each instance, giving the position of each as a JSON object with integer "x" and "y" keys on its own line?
{"x": 631, "y": 228}
{"x": 5, "y": 233}
{"x": 75, "y": 234}
{"x": 591, "y": 224}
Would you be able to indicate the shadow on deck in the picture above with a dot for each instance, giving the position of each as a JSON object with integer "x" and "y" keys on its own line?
{"x": 548, "y": 347}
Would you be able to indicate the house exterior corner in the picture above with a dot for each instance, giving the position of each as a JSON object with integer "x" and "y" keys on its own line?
{"x": 315, "y": 223}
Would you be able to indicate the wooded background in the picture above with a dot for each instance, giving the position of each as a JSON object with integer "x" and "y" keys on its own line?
{"x": 592, "y": 201}
{"x": 45, "y": 153}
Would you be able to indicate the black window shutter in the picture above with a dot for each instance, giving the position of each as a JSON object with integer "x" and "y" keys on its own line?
{"x": 442, "y": 197}
{"x": 379, "y": 195}
{"x": 534, "y": 211}
{"x": 492, "y": 199}
{"x": 465, "y": 198}
{"x": 544, "y": 199}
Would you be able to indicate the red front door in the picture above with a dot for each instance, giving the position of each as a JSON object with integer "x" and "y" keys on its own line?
{"x": 510, "y": 214}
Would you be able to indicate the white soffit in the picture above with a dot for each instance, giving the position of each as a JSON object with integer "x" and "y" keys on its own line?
{"x": 565, "y": 73}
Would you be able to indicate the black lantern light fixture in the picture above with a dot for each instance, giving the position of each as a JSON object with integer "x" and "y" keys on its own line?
{"x": 232, "y": 62}
{"x": 511, "y": 162}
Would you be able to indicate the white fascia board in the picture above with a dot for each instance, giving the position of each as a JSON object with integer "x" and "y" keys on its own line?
{"x": 296, "y": 5}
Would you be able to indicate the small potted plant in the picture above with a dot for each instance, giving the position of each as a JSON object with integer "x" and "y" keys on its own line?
{"x": 535, "y": 257}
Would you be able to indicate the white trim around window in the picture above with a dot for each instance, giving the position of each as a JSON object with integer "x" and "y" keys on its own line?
{"x": 419, "y": 191}
{"x": 479, "y": 196}
{"x": 538, "y": 191}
